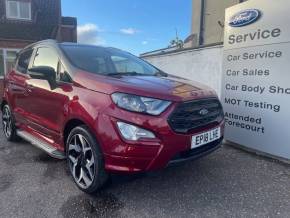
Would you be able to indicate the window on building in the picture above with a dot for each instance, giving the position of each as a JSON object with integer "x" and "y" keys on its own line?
{"x": 46, "y": 57}
{"x": 10, "y": 60}
{"x": 7, "y": 60}
{"x": 2, "y": 66}
{"x": 18, "y": 9}
{"x": 23, "y": 61}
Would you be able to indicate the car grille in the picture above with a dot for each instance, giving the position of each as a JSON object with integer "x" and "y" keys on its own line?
{"x": 194, "y": 114}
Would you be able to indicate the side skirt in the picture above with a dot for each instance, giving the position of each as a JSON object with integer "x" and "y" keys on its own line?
{"x": 53, "y": 152}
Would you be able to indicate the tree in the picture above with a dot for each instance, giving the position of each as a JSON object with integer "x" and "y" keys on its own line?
{"x": 176, "y": 42}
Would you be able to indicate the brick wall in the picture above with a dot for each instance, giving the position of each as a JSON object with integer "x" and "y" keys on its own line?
{"x": 68, "y": 34}
{"x": 13, "y": 44}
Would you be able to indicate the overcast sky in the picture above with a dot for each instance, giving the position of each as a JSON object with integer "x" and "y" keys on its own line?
{"x": 134, "y": 25}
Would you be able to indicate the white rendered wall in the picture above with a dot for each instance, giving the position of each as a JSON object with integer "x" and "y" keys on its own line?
{"x": 203, "y": 65}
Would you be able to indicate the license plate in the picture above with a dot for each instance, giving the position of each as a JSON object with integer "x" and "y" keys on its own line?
{"x": 205, "y": 137}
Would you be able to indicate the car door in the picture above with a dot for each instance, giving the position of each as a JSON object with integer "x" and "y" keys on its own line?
{"x": 16, "y": 83}
{"x": 47, "y": 103}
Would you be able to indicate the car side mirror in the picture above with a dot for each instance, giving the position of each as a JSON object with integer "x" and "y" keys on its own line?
{"x": 44, "y": 73}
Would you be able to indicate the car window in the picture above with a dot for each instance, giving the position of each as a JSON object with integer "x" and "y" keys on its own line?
{"x": 123, "y": 64}
{"x": 62, "y": 75}
{"x": 102, "y": 67}
{"x": 23, "y": 61}
{"x": 91, "y": 60}
{"x": 46, "y": 57}
{"x": 101, "y": 60}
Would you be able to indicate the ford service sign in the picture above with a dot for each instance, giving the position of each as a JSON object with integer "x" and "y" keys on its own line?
{"x": 244, "y": 18}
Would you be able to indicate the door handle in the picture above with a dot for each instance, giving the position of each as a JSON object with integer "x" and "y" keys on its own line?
{"x": 12, "y": 83}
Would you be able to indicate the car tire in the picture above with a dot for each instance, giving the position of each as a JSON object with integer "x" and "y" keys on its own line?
{"x": 85, "y": 160}
{"x": 8, "y": 123}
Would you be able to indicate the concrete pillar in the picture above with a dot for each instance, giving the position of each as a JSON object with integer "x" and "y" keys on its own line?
{"x": 208, "y": 20}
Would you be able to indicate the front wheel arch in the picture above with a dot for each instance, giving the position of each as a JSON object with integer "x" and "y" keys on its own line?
{"x": 75, "y": 122}
{"x": 69, "y": 126}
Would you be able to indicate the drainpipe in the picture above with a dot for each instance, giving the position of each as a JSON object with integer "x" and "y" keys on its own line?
{"x": 201, "y": 27}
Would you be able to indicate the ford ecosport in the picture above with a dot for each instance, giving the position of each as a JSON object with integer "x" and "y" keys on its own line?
{"x": 105, "y": 110}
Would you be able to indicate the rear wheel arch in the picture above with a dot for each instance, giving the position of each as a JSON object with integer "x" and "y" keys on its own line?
{"x": 3, "y": 103}
{"x": 8, "y": 122}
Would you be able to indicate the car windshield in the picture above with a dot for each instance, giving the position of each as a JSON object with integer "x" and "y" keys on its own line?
{"x": 107, "y": 61}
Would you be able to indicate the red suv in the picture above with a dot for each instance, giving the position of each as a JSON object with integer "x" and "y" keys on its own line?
{"x": 105, "y": 110}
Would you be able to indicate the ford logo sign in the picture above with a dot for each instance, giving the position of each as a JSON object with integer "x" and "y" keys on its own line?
{"x": 203, "y": 112}
{"x": 244, "y": 18}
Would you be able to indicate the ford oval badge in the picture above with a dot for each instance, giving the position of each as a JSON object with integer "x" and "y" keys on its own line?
{"x": 203, "y": 112}
{"x": 244, "y": 18}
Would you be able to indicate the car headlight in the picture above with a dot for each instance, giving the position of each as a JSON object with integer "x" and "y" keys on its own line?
{"x": 140, "y": 104}
{"x": 131, "y": 132}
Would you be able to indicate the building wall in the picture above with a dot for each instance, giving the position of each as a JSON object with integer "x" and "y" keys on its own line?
{"x": 202, "y": 65}
{"x": 13, "y": 44}
{"x": 46, "y": 23}
{"x": 214, "y": 16}
{"x": 8, "y": 51}
{"x": 208, "y": 19}
{"x": 68, "y": 34}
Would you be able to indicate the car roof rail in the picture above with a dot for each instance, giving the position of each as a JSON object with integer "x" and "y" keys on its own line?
{"x": 51, "y": 41}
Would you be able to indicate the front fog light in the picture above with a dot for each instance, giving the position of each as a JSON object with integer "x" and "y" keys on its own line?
{"x": 134, "y": 133}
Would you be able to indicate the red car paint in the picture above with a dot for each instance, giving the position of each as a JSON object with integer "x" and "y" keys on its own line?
{"x": 45, "y": 113}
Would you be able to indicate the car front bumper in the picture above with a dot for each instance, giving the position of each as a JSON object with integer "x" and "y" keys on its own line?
{"x": 147, "y": 155}
{"x": 196, "y": 153}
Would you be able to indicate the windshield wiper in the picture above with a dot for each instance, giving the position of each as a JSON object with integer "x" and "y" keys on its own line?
{"x": 161, "y": 73}
{"x": 133, "y": 73}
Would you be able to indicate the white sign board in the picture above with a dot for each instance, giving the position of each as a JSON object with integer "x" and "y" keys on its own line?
{"x": 256, "y": 76}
